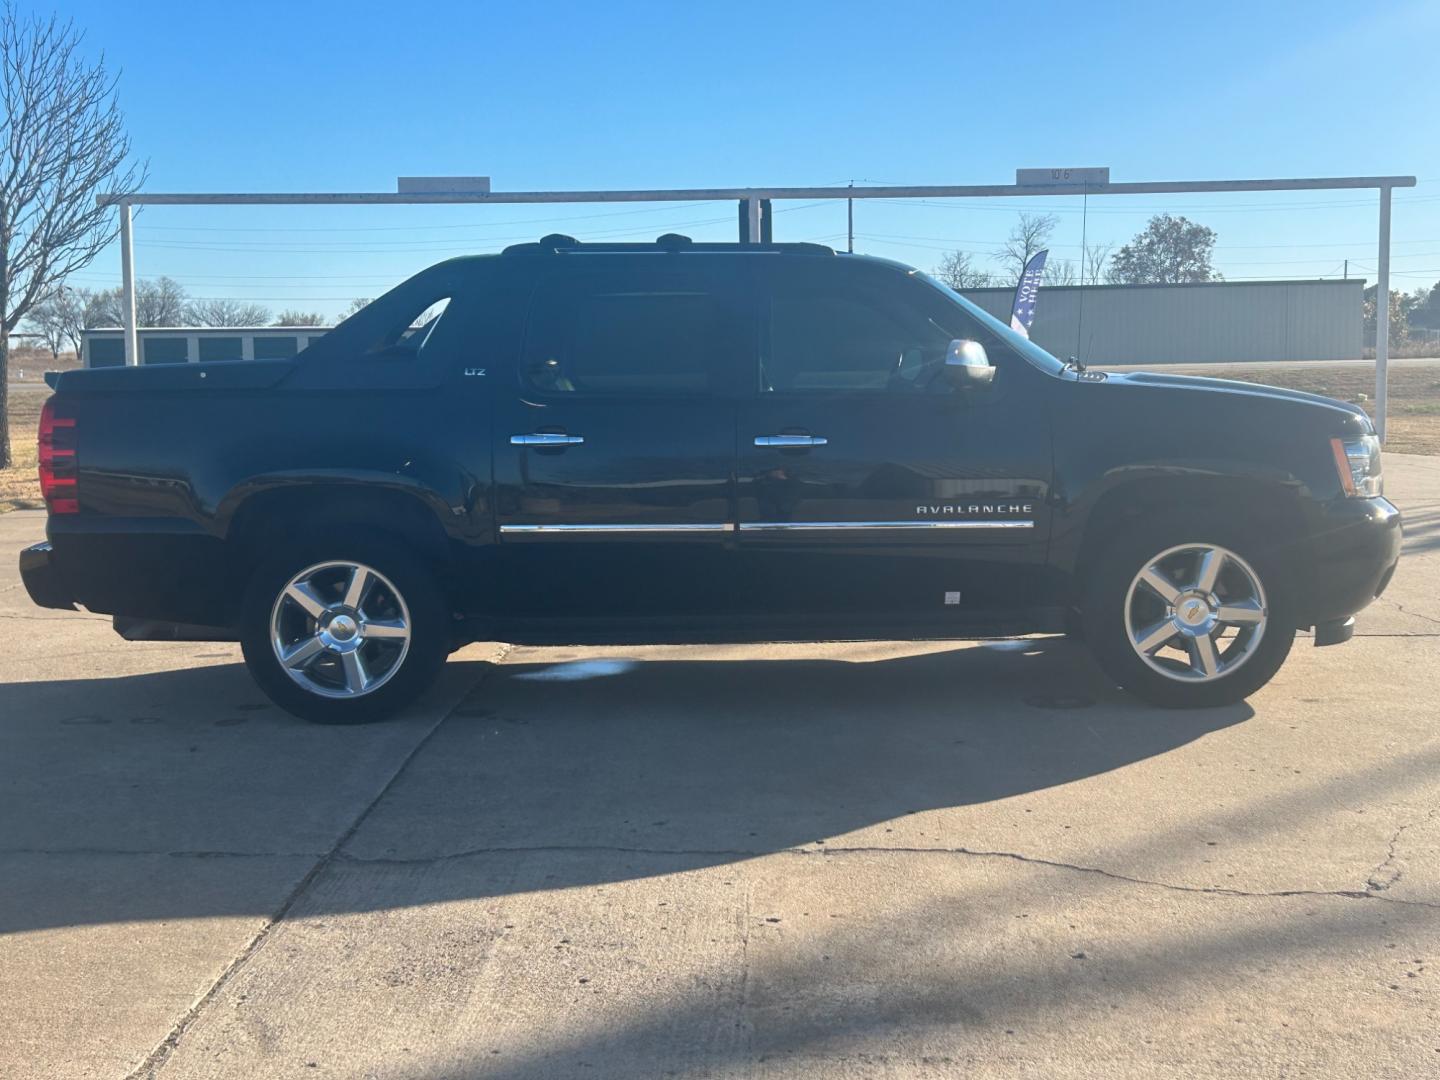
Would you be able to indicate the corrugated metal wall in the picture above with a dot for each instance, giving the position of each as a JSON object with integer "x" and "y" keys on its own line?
{"x": 1194, "y": 324}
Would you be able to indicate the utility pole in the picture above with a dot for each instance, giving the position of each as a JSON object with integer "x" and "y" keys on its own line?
{"x": 127, "y": 287}
{"x": 1347, "y": 270}
{"x": 850, "y": 223}
{"x": 1382, "y": 316}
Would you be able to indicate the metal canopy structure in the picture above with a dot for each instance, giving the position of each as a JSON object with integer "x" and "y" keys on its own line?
{"x": 408, "y": 193}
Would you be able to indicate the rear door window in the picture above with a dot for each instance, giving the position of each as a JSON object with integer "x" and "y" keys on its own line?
{"x": 632, "y": 331}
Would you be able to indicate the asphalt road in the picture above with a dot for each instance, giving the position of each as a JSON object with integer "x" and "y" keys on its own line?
{"x": 862, "y": 860}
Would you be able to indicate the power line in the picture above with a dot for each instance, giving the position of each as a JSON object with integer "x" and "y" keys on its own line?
{"x": 1369, "y": 245}
{"x": 880, "y": 238}
{"x": 450, "y": 244}
{"x": 507, "y": 224}
{"x": 414, "y": 228}
{"x": 1059, "y": 208}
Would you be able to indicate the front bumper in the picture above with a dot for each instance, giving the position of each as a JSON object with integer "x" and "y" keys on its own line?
{"x": 1354, "y": 554}
{"x": 42, "y": 578}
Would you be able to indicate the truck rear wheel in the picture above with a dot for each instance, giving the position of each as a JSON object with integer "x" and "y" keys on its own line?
{"x": 344, "y": 634}
{"x": 1187, "y": 615}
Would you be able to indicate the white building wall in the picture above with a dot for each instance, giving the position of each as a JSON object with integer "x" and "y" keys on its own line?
{"x": 1195, "y": 324}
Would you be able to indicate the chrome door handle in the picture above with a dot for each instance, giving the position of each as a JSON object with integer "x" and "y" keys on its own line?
{"x": 791, "y": 440}
{"x": 546, "y": 438}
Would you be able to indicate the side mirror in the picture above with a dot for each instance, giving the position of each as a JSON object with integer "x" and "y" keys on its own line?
{"x": 967, "y": 366}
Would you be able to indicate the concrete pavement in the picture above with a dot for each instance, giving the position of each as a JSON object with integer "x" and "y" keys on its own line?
{"x": 878, "y": 859}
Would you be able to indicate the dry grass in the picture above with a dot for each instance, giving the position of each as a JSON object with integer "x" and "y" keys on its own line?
{"x": 29, "y": 365}
{"x": 1413, "y": 425}
{"x": 20, "y": 484}
{"x": 1411, "y": 348}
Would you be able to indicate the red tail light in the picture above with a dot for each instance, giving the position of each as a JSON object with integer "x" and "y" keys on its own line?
{"x": 57, "y": 461}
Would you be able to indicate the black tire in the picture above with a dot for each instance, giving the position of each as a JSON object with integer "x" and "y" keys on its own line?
{"x": 1107, "y": 586}
{"x": 429, "y": 626}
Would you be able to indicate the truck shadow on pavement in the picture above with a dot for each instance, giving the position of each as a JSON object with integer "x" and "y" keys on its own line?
{"x": 1422, "y": 528}
{"x": 155, "y": 796}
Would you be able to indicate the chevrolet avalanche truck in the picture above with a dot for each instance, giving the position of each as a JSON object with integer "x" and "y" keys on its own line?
{"x": 572, "y": 443}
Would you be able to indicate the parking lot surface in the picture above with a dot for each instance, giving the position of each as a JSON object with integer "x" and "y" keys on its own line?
{"x": 840, "y": 860}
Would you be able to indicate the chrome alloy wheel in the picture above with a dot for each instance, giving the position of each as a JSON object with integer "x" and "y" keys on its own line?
{"x": 340, "y": 629}
{"x": 1196, "y": 612}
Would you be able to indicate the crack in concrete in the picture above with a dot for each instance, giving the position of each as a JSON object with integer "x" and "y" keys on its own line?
{"x": 1405, "y": 611}
{"x": 1398, "y": 634}
{"x": 828, "y": 851}
{"x": 1374, "y": 883}
{"x": 157, "y": 1058}
{"x": 74, "y": 615}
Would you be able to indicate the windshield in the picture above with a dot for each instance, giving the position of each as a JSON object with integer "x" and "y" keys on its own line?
{"x": 1021, "y": 344}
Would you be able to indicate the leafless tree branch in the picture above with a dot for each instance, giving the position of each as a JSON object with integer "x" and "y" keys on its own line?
{"x": 62, "y": 143}
{"x": 1030, "y": 234}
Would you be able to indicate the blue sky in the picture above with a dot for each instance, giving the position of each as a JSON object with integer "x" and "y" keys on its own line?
{"x": 312, "y": 96}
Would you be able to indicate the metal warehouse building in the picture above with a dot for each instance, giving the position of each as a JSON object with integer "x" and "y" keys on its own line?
{"x": 105, "y": 347}
{"x": 1211, "y": 322}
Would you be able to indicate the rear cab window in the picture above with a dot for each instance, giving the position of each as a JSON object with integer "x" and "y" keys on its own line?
{"x": 415, "y": 335}
{"x": 623, "y": 330}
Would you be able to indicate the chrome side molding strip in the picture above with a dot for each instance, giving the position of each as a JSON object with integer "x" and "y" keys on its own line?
{"x": 786, "y": 526}
{"x": 765, "y": 526}
{"x": 682, "y": 527}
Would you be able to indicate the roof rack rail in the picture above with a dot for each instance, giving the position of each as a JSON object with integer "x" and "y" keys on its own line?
{"x": 558, "y": 243}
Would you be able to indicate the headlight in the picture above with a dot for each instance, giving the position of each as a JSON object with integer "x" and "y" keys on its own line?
{"x": 1357, "y": 460}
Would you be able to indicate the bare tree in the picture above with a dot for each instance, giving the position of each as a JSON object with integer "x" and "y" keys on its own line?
{"x": 1030, "y": 234}
{"x": 958, "y": 271}
{"x": 1059, "y": 272}
{"x": 78, "y": 303}
{"x": 355, "y": 305}
{"x": 42, "y": 323}
{"x": 96, "y": 305}
{"x": 226, "y": 313}
{"x": 62, "y": 142}
{"x": 290, "y": 317}
{"x": 54, "y": 317}
{"x": 1092, "y": 263}
{"x": 162, "y": 301}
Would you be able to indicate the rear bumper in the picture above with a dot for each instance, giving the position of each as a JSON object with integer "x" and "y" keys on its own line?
{"x": 42, "y": 578}
{"x": 138, "y": 567}
{"x": 1353, "y": 556}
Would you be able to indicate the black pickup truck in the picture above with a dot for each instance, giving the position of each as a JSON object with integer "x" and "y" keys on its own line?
{"x": 687, "y": 442}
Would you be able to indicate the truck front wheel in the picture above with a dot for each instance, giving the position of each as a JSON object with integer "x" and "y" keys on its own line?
{"x": 1187, "y": 615}
{"x": 344, "y": 634}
